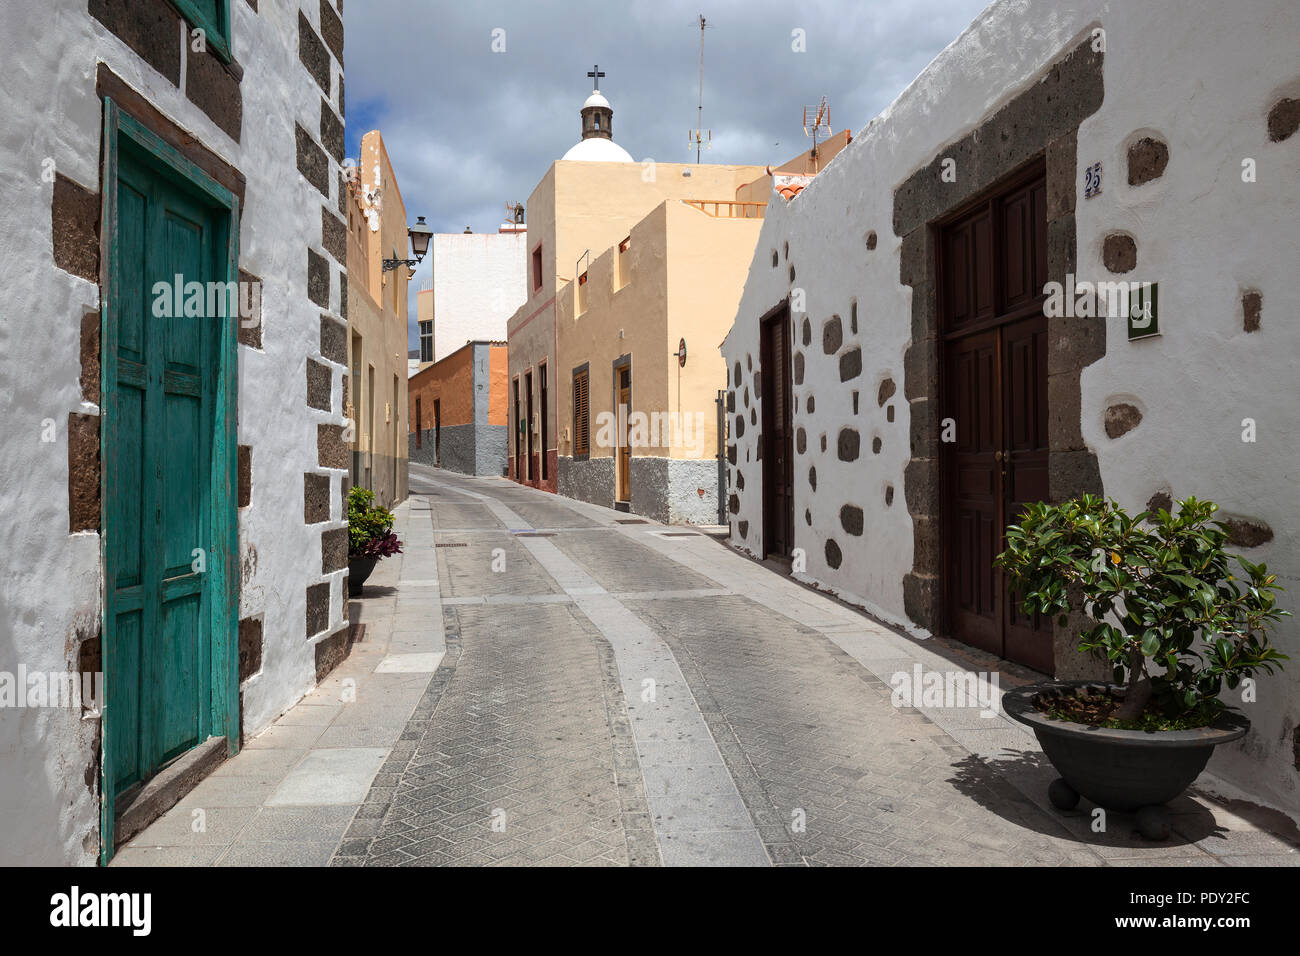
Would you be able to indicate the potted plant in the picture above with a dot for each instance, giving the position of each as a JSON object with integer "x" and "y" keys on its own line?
{"x": 370, "y": 537}
{"x": 1177, "y": 622}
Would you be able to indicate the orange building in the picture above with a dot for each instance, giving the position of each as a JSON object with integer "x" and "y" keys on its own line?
{"x": 457, "y": 414}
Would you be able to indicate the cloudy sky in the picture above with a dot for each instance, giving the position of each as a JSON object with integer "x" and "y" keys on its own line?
{"x": 469, "y": 129}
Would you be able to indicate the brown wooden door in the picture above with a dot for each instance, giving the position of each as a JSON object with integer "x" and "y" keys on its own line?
{"x": 519, "y": 437}
{"x": 437, "y": 432}
{"x": 528, "y": 405}
{"x": 993, "y": 264}
{"x": 778, "y": 437}
{"x": 624, "y": 449}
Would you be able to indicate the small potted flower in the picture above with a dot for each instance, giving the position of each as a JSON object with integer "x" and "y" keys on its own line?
{"x": 1177, "y": 618}
{"x": 370, "y": 537}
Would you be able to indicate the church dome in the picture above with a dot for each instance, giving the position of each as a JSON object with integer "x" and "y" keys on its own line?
{"x": 597, "y": 144}
{"x": 596, "y": 150}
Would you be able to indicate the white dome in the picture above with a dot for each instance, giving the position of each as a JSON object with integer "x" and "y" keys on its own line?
{"x": 597, "y": 149}
{"x": 596, "y": 99}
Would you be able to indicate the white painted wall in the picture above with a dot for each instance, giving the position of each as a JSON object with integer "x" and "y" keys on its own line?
{"x": 1204, "y": 82}
{"x": 478, "y": 282}
{"x": 50, "y": 581}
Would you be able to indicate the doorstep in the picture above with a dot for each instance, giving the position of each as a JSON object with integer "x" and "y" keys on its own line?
{"x": 167, "y": 788}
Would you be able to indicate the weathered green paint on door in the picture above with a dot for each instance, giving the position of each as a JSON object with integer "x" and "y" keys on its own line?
{"x": 168, "y": 458}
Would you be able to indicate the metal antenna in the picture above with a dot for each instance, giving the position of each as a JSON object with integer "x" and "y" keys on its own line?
{"x": 697, "y": 134}
{"x": 816, "y": 119}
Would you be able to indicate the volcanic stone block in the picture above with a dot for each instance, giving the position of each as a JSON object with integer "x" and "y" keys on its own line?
{"x": 1283, "y": 119}
{"x": 318, "y": 608}
{"x": 851, "y": 519}
{"x": 1122, "y": 418}
{"x": 316, "y": 498}
{"x": 1119, "y": 253}
{"x": 851, "y": 364}
{"x": 848, "y": 444}
{"x": 1147, "y": 159}
{"x": 832, "y": 335}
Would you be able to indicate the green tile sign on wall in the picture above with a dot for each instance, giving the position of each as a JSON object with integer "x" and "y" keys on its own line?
{"x": 1143, "y": 316}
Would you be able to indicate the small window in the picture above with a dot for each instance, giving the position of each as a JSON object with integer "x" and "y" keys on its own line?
{"x": 426, "y": 341}
{"x": 213, "y": 18}
{"x": 581, "y": 413}
{"x": 537, "y": 268}
{"x": 624, "y": 269}
{"x": 596, "y": 118}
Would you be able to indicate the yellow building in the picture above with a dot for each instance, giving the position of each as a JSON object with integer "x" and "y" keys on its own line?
{"x": 585, "y": 206}
{"x": 640, "y": 371}
{"x": 375, "y": 392}
{"x": 635, "y": 272}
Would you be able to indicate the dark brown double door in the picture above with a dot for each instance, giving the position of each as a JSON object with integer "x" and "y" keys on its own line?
{"x": 993, "y": 265}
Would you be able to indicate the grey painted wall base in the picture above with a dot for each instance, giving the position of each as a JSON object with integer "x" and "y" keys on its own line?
{"x": 490, "y": 449}
{"x": 466, "y": 449}
{"x": 455, "y": 454}
{"x": 670, "y": 490}
{"x": 590, "y": 480}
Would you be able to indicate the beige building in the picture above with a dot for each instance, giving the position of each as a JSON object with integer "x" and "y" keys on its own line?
{"x": 582, "y": 209}
{"x": 639, "y": 369}
{"x": 375, "y": 391}
{"x": 635, "y": 273}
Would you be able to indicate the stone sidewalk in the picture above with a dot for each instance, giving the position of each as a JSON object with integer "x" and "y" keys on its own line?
{"x": 544, "y": 681}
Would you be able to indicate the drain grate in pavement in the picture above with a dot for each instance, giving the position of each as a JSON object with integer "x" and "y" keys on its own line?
{"x": 452, "y": 544}
{"x": 631, "y": 521}
{"x": 678, "y": 534}
{"x": 534, "y": 534}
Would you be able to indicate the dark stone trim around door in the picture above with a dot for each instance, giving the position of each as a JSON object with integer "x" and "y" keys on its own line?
{"x": 1039, "y": 125}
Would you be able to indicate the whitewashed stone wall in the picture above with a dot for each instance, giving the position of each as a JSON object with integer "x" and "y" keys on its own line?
{"x": 1210, "y": 85}
{"x": 51, "y": 580}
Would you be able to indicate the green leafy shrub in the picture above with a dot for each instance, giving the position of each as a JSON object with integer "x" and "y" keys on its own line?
{"x": 370, "y": 529}
{"x": 1173, "y": 618}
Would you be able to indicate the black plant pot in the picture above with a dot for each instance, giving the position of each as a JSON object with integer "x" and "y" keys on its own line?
{"x": 359, "y": 568}
{"x": 1124, "y": 770}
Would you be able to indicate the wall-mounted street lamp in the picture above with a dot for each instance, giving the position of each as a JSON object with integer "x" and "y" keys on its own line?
{"x": 420, "y": 235}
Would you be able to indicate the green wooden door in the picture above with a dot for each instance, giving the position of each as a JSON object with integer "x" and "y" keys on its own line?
{"x": 167, "y": 459}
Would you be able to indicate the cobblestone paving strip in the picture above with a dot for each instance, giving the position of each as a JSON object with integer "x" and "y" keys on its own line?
{"x": 526, "y": 755}
{"x": 360, "y": 836}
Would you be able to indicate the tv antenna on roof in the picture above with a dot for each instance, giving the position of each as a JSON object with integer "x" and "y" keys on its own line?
{"x": 700, "y": 136}
{"x": 817, "y": 120}
{"x": 516, "y": 210}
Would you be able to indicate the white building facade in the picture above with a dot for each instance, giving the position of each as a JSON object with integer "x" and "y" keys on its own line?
{"x": 195, "y": 555}
{"x": 896, "y": 374}
{"x": 478, "y": 282}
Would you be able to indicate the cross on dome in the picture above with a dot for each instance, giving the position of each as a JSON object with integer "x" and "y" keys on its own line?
{"x": 597, "y": 144}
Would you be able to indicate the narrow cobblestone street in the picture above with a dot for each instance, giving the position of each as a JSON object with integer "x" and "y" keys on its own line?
{"x": 542, "y": 681}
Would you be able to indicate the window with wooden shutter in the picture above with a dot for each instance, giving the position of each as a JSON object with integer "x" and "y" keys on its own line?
{"x": 581, "y": 412}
